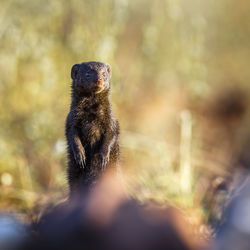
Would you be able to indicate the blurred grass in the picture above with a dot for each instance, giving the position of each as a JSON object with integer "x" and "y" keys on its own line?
{"x": 169, "y": 58}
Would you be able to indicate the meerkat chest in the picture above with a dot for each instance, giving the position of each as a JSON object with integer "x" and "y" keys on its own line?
{"x": 92, "y": 122}
{"x": 92, "y": 133}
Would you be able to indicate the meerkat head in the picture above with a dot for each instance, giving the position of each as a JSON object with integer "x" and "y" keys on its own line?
{"x": 91, "y": 77}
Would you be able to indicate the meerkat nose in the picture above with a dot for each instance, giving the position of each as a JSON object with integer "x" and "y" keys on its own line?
{"x": 99, "y": 80}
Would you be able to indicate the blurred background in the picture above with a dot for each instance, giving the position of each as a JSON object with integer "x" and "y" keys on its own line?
{"x": 180, "y": 88}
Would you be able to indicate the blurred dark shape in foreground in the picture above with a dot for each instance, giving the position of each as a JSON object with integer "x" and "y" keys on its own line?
{"x": 225, "y": 144}
{"x": 12, "y": 232}
{"x": 106, "y": 219}
{"x": 235, "y": 231}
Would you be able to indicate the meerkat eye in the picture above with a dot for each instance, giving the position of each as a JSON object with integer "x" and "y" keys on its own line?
{"x": 87, "y": 74}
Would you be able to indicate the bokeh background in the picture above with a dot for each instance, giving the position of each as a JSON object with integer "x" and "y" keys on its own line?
{"x": 180, "y": 87}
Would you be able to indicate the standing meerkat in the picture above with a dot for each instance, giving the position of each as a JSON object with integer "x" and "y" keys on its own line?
{"x": 92, "y": 131}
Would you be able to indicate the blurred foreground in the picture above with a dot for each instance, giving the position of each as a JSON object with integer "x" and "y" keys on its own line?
{"x": 106, "y": 218}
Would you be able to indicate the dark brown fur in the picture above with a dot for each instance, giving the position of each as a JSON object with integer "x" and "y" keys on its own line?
{"x": 91, "y": 129}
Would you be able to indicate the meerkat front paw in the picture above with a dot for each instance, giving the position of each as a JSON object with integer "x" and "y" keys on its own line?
{"x": 80, "y": 157}
{"x": 103, "y": 160}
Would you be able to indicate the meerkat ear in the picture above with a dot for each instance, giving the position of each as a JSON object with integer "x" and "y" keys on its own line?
{"x": 109, "y": 69}
{"x": 74, "y": 71}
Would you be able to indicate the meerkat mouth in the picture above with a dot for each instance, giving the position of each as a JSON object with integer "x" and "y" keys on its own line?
{"x": 100, "y": 89}
{"x": 101, "y": 85}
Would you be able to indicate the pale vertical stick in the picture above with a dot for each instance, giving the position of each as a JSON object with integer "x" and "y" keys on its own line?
{"x": 185, "y": 151}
